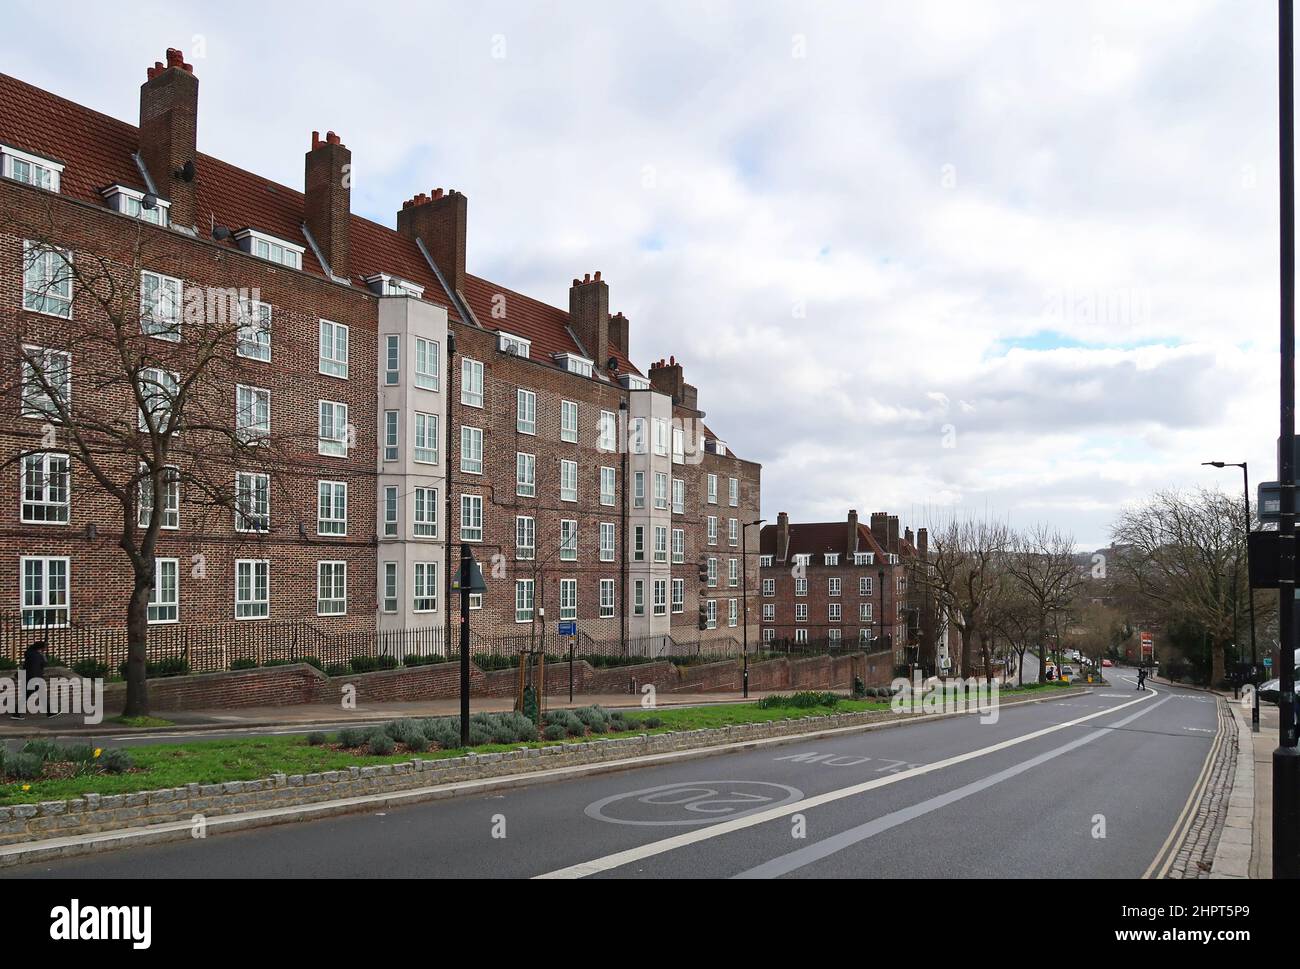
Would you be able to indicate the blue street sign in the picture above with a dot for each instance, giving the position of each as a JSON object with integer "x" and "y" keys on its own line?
{"x": 569, "y": 628}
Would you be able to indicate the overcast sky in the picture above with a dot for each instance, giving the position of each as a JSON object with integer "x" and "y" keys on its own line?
{"x": 1007, "y": 258}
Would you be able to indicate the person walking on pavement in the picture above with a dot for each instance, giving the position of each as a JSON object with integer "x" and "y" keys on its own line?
{"x": 34, "y": 663}
{"x": 1142, "y": 678}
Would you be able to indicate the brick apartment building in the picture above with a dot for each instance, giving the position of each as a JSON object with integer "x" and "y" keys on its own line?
{"x": 850, "y": 583}
{"x": 410, "y": 406}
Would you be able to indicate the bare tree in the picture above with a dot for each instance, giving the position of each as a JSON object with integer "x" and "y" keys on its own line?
{"x": 1184, "y": 554}
{"x": 1042, "y": 563}
{"x": 132, "y": 373}
{"x": 963, "y": 575}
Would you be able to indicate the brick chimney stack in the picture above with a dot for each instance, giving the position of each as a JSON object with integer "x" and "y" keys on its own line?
{"x": 589, "y": 316}
{"x": 328, "y": 199}
{"x": 439, "y": 220}
{"x": 782, "y": 537}
{"x": 880, "y": 529}
{"x": 666, "y": 377}
{"x": 893, "y": 534}
{"x": 169, "y": 118}
{"x": 852, "y": 544}
{"x": 907, "y": 537}
{"x": 922, "y": 542}
{"x": 618, "y": 333}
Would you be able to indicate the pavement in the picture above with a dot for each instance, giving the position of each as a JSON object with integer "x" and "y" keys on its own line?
{"x": 279, "y": 720}
{"x": 1091, "y": 785}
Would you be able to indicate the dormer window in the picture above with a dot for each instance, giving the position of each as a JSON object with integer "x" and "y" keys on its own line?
{"x": 270, "y": 248}
{"x": 832, "y": 558}
{"x": 129, "y": 202}
{"x": 386, "y": 285}
{"x": 515, "y": 345}
{"x": 863, "y": 558}
{"x": 30, "y": 169}
{"x": 632, "y": 382}
{"x": 804, "y": 559}
{"x": 765, "y": 561}
{"x": 573, "y": 363}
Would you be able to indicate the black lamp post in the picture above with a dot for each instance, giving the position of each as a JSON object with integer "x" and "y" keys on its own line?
{"x": 744, "y": 599}
{"x": 1250, "y": 593}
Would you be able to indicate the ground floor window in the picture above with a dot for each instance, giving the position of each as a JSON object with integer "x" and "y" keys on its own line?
{"x": 252, "y": 588}
{"x": 568, "y": 598}
{"x": 606, "y": 598}
{"x": 523, "y": 600}
{"x": 44, "y": 592}
{"x": 331, "y": 588}
{"x": 425, "y": 587}
{"x": 164, "y": 599}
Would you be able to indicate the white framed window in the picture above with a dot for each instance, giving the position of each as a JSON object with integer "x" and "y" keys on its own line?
{"x": 713, "y": 489}
{"x": 568, "y": 480}
{"x": 130, "y": 202}
{"x": 864, "y": 611}
{"x": 833, "y": 612}
{"x": 660, "y": 593}
{"x": 606, "y": 598}
{"x": 44, "y": 599}
{"x": 162, "y": 299}
{"x": 525, "y": 537}
{"x": 801, "y": 587}
{"x": 252, "y": 413}
{"x": 30, "y": 169}
{"x": 471, "y": 382}
{"x": 638, "y": 543}
{"x": 864, "y": 636}
{"x": 863, "y": 558}
{"x": 525, "y": 474}
{"x": 47, "y": 382}
{"x": 159, "y": 389}
{"x": 679, "y": 546}
{"x": 679, "y": 496}
{"x": 711, "y": 571}
{"x": 769, "y": 612}
{"x": 733, "y": 531}
{"x": 833, "y": 586}
{"x": 638, "y": 597}
{"x": 638, "y": 438}
{"x": 661, "y": 437}
{"x": 661, "y": 543}
{"x": 733, "y": 572}
{"x": 638, "y": 489}
{"x": 170, "y": 478}
{"x": 568, "y": 598}
{"x": 523, "y": 600}
{"x": 164, "y": 597}
{"x": 801, "y": 635}
{"x": 568, "y": 540}
{"x": 711, "y": 524}
{"x": 765, "y": 561}
{"x": 679, "y": 446}
{"x": 864, "y": 585}
{"x": 769, "y": 587}
{"x": 331, "y": 508}
{"x": 733, "y": 492}
{"x": 575, "y": 364}
{"x": 333, "y": 435}
{"x": 608, "y": 440}
{"x": 252, "y": 502}
{"x": 252, "y": 588}
{"x": 607, "y": 541}
{"x": 47, "y": 279}
{"x": 711, "y": 614}
{"x": 390, "y": 511}
{"x": 471, "y": 449}
{"x": 471, "y": 518}
{"x": 427, "y": 371}
{"x": 392, "y": 359}
{"x": 387, "y": 285}
{"x": 515, "y": 345}
{"x": 661, "y": 491}
{"x": 733, "y": 612}
{"x": 392, "y": 435}
{"x": 424, "y": 587}
{"x": 426, "y": 438}
{"x": 45, "y": 488}
{"x": 333, "y": 349}
{"x": 253, "y": 341}
{"x": 569, "y": 421}
{"x": 424, "y": 522}
{"x": 679, "y": 595}
{"x": 270, "y": 248}
{"x": 769, "y": 634}
{"x": 801, "y": 612}
{"x": 331, "y": 588}
{"x": 525, "y": 411}
{"x": 608, "y": 486}
{"x": 389, "y": 594}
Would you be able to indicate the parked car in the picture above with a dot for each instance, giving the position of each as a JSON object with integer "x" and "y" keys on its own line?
{"x": 1067, "y": 671}
{"x": 1107, "y": 663}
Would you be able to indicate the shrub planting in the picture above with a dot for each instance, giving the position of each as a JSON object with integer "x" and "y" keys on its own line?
{"x": 380, "y": 744}
{"x": 316, "y": 738}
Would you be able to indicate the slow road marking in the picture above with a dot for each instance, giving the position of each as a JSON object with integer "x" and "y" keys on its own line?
{"x": 620, "y": 858}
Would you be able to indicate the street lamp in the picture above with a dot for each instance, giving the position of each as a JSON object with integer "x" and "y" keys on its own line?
{"x": 744, "y": 598}
{"x": 1250, "y": 593}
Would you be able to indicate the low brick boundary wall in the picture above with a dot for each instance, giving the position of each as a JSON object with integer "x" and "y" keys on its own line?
{"x": 93, "y": 813}
{"x": 301, "y": 683}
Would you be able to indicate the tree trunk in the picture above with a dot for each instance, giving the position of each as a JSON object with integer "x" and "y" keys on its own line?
{"x": 137, "y": 637}
{"x": 1217, "y": 671}
{"x": 1020, "y": 668}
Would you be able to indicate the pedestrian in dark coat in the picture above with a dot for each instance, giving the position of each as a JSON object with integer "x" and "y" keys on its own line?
{"x": 34, "y": 663}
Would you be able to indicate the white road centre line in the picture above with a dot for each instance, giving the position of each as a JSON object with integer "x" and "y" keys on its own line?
{"x": 630, "y": 855}
{"x": 787, "y": 863}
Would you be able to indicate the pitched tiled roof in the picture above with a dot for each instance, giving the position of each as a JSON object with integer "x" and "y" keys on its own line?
{"x": 818, "y": 538}
{"x": 97, "y": 151}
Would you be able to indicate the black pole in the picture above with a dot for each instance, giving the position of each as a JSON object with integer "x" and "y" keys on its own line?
{"x": 744, "y": 608}
{"x": 466, "y": 573}
{"x": 1250, "y": 594}
{"x": 570, "y": 670}
{"x": 1286, "y": 759}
